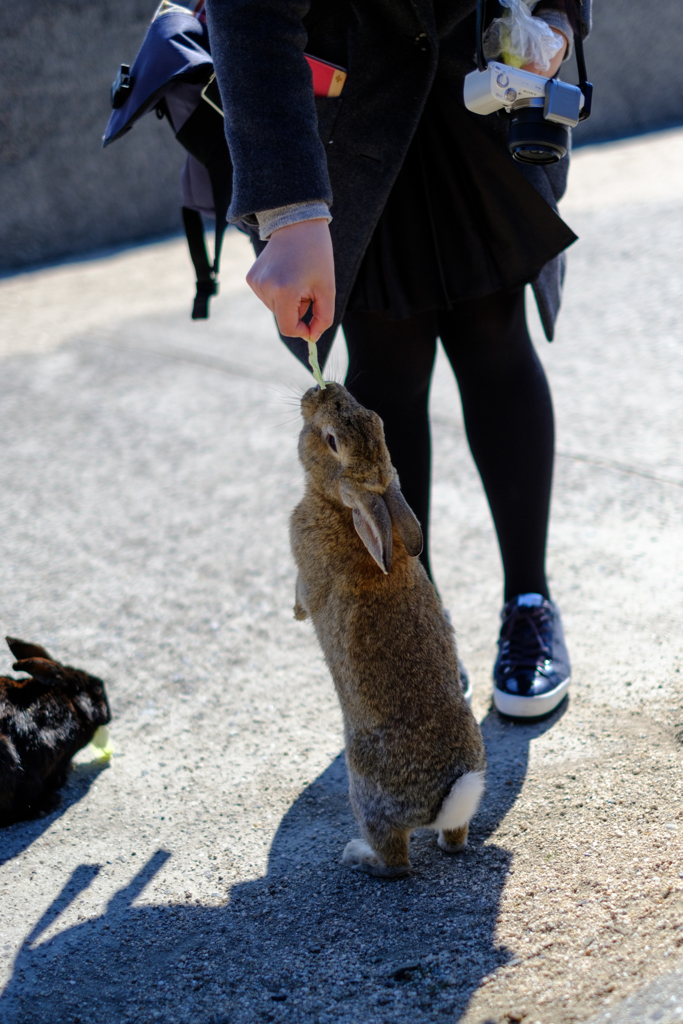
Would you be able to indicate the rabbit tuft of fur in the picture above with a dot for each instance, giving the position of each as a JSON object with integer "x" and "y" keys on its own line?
{"x": 44, "y": 720}
{"x": 414, "y": 751}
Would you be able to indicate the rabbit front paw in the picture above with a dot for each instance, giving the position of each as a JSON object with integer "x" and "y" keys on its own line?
{"x": 359, "y": 856}
{"x": 300, "y": 610}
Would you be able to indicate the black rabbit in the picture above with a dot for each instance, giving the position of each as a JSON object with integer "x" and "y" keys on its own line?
{"x": 44, "y": 721}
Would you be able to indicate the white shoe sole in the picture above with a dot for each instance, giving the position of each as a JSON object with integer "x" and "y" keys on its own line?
{"x": 530, "y": 707}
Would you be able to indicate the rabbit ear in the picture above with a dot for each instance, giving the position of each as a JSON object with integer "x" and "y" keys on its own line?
{"x": 404, "y": 519}
{"x": 20, "y": 649}
{"x": 373, "y": 525}
{"x": 42, "y": 669}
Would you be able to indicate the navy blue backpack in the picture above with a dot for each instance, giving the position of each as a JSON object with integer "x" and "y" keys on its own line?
{"x": 173, "y": 75}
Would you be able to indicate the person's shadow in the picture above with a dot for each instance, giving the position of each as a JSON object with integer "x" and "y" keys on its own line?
{"x": 310, "y": 941}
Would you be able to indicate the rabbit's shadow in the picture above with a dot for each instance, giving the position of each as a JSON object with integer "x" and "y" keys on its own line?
{"x": 413, "y": 949}
{"x": 17, "y": 837}
{"x": 508, "y": 747}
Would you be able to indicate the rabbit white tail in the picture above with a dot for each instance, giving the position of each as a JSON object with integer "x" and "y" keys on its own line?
{"x": 461, "y": 803}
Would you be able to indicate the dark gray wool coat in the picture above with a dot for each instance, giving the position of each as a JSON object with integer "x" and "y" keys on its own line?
{"x": 288, "y": 147}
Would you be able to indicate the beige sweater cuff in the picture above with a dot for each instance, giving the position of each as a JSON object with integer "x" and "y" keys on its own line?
{"x": 282, "y": 216}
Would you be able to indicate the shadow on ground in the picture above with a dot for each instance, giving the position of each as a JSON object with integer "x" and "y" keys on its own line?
{"x": 308, "y": 942}
{"x": 17, "y": 838}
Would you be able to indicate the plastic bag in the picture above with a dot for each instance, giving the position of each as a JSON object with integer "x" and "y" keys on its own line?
{"x": 520, "y": 38}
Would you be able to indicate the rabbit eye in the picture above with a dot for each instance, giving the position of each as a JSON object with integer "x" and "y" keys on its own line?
{"x": 332, "y": 441}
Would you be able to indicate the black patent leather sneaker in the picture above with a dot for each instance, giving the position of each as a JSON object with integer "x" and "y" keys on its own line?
{"x": 532, "y": 671}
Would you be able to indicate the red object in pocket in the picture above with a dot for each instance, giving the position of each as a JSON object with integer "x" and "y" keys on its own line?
{"x": 328, "y": 79}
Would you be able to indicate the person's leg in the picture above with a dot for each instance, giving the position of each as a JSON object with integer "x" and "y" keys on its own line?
{"x": 509, "y": 421}
{"x": 390, "y": 369}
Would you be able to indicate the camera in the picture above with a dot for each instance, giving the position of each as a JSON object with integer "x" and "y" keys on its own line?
{"x": 541, "y": 110}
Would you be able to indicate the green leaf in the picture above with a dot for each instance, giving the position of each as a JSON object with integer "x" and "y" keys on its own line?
{"x": 314, "y": 364}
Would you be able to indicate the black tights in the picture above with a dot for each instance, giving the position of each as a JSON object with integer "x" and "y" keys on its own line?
{"x": 506, "y": 405}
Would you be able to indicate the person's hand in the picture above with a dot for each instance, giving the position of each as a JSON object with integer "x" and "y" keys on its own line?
{"x": 554, "y": 63}
{"x": 297, "y": 268}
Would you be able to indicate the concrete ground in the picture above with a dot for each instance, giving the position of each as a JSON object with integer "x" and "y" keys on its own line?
{"x": 147, "y": 471}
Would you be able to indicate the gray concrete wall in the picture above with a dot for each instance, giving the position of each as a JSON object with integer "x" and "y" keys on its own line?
{"x": 61, "y": 194}
{"x": 634, "y": 61}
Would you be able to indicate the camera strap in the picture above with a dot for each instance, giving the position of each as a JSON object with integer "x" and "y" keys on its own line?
{"x": 481, "y": 19}
{"x": 584, "y": 85}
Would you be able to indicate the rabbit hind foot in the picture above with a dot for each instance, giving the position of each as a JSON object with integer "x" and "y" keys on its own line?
{"x": 453, "y": 840}
{"x": 359, "y": 856}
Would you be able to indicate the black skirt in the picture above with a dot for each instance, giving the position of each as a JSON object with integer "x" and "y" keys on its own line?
{"x": 461, "y": 222}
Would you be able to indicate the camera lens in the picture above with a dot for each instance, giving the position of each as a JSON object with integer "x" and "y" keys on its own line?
{"x": 533, "y": 140}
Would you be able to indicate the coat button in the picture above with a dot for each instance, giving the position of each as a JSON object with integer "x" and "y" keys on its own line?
{"x": 421, "y": 41}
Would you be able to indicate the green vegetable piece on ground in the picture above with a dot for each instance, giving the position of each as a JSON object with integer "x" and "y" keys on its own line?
{"x": 102, "y": 743}
{"x": 314, "y": 364}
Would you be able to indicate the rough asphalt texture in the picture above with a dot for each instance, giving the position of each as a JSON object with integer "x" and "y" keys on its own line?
{"x": 147, "y": 471}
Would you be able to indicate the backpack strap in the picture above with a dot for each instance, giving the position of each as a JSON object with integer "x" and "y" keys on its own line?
{"x": 205, "y": 271}
{"x": 220, "y": 175}
{"x": 219, "y": 168}
{"x": 202, "y": 136}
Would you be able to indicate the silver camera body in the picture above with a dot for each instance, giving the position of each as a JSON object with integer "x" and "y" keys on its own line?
{"x": 542, "y": 109}
{"x": 504, "y": 86}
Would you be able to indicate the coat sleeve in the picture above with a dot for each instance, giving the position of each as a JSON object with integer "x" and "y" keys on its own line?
{"x": 266, "y": 88}
{"x": 578, "y": 12}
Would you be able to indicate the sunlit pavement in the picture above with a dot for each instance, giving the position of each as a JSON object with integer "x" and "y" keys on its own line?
{"x": 147, "y": 471}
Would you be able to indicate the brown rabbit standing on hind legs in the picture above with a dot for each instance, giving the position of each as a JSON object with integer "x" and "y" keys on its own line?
{"x": 414, "y": 751}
